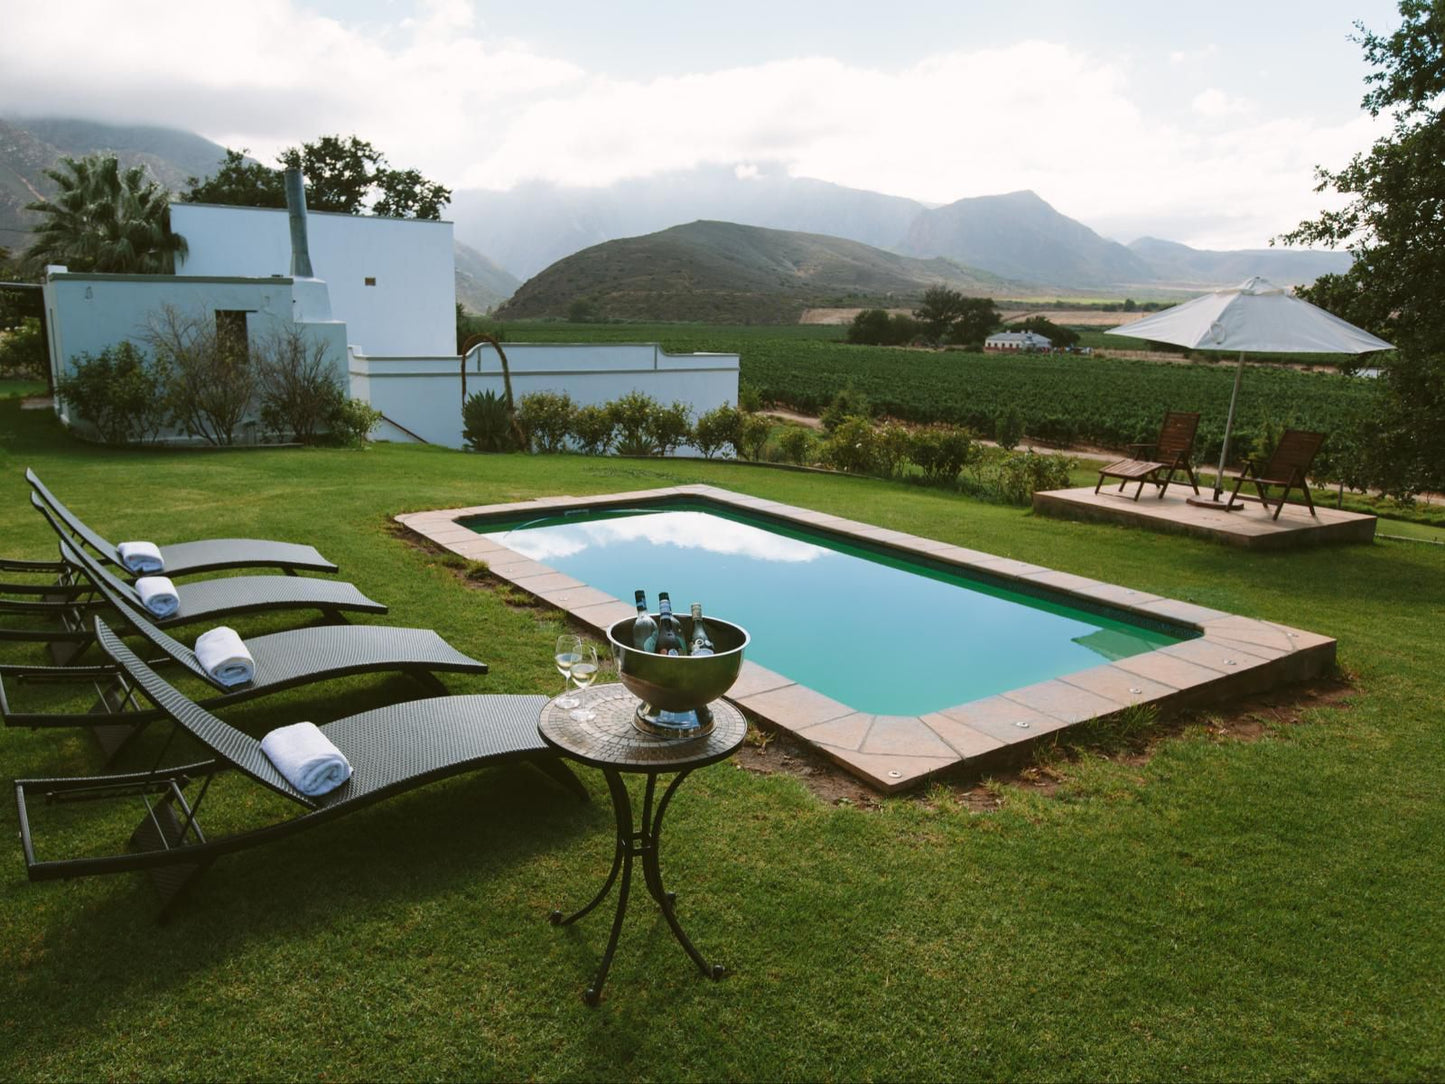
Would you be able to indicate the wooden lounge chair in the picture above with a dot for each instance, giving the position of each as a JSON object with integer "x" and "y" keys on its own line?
{"x": 200, "y": 600}
{"x": 391, "y": 750}
{"x": 283, "y": 660}
{"x": 188, "y": 558}
{"x": 1287, "y": 467}
{"x": 1155, "y": 464}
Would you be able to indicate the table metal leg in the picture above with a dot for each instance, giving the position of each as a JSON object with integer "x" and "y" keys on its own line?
{"x": 642, "y": 843}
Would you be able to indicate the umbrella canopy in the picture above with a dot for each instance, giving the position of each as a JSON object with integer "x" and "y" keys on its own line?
{"x": 1255, "y": 315}
{"x": 1258, "y": 316}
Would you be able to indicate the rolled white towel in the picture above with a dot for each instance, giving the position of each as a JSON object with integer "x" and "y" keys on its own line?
{"x": 307, "y": 758}
{"x": 223, "y": 654}
{"x": 142, "y": 558}
{"x": 158, "y": 595}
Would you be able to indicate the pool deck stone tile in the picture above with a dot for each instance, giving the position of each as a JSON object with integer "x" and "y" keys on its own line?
{"x": 892, "y": 752}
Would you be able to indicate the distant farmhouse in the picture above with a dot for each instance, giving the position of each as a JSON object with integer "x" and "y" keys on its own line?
{"x": 379, "y": 294}
{"x": 1027, "y": 342}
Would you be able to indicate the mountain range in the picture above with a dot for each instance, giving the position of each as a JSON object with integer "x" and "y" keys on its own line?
{"x": 504, "y": 237}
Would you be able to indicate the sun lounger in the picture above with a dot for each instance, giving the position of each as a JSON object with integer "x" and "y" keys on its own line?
{"x": 283, "y": 660}
{"x": 1287, "y": 467}
{"x": 1156, "y": 464}
{"x": 391, "y": 750}
{"x": 188, "y": 558}
{"x": 200, "y": 600}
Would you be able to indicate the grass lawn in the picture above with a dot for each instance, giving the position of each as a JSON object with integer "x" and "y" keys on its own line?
{"x": 1224, "y": 910}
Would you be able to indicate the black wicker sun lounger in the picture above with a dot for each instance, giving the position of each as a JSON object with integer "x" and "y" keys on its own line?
{"x": 200, "y": 600}
{"x": 283, "y": 660}
{"x": 188, "y": 558}
{"x": 391, "y": 750}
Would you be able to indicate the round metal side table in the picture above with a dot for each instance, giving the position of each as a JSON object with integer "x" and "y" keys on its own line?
{"x": 610, "y": 742}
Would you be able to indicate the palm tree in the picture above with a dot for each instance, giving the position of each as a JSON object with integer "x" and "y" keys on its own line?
{"x": 104, "y": 219}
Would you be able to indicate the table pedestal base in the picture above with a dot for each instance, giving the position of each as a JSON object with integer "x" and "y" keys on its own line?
{"x": 641, "y": 843}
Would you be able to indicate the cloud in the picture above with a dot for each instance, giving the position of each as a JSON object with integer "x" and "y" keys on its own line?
{"x": 437, "y": 93}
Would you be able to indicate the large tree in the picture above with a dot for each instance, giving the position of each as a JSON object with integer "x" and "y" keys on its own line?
{"x": 1394, "y": 223}
{"x": 103, "y": 218}
{"x": 347, "y": 175}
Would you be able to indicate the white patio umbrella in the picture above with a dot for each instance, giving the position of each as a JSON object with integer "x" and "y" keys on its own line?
{"x": 1254, "y": 316}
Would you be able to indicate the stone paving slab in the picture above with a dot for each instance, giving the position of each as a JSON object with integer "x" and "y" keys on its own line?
{"x": 1231, "y": 656}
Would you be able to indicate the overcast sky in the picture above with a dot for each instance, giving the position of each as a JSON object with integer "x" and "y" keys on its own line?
{"x": 1196, "y": 122}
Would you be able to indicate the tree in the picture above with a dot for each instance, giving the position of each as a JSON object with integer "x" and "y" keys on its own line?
{"x": 976, "y": 317}
{"x": 104, "y": 219}
{"x": 1060, "y": 337}
{"x": 940, "y": 307}
{"x": 870, "y": 327}
{"x": 1394, "y": 226}
{"x": 347, "y": 175}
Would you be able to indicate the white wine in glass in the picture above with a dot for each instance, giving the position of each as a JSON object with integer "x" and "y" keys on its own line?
{"x": 567, "y": 654}
{"x": 584, "y": 673}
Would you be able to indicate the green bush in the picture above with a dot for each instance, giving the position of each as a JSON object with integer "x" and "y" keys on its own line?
{"x": 894, "y": 443}
{"x": 1018, "y": 476}
{"x": 796, "y": 444}
{"x": 749, "y": 400}
{"x": 752, "y": 436}
{"x": 848, "y": 403}
{"x": 486, "y": 425}
{"x": 632, "y": 414}
{"x": 669, "y": 427}
{"x": 1008, "y": 428}
{"x": 121, "y": 393}
{"x": 717, "y": 429}
{"x": 300, "y": 389}
{"x": 853, "y": 447}
{"x": 210, "y": 380}
{"x": 546, "y": 418}
{"x": 22, "y": 350}
{"x": 352, "y": 422}
{"x": 594, "y": 429}
{"x": 941, "y": 453}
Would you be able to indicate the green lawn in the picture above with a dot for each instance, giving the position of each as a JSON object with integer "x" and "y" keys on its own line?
{"x": 1226, "y": 910}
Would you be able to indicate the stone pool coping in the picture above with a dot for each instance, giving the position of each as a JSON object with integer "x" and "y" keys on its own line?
{"x": 1233, "y": 656}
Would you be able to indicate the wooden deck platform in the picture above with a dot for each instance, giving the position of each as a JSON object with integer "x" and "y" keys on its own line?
{"x": 1250, "y": 526}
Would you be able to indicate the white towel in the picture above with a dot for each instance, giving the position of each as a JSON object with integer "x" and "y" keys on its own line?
{"x": 141, "y": 557}
{"x": 158, "y": 595}
{"x": 223, "y": 654}
{"x": 306, "y": 757}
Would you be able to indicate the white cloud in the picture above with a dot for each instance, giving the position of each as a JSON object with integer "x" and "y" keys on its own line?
{"x": 435, "y": 92}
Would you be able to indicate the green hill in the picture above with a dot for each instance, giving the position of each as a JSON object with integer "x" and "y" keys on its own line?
{"x": 720, "y": 272}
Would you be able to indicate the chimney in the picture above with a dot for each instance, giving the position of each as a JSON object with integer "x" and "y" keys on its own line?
{"x": 296, "y": 206}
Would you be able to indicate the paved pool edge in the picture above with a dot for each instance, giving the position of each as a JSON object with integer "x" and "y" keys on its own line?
{"x": 1232, "y": 657}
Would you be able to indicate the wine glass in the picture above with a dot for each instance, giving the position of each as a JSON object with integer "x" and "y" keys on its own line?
{"x": 584, "y": 673}
{"x": 567, "y": 654}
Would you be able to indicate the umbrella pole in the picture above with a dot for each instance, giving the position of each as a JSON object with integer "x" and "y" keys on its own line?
{"x": 1228, "y": 428}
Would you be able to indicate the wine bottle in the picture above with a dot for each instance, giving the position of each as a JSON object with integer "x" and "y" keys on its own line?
{"x": 701, "y": 643}
{"x": 644, "y": 629}
{"x": 669, "y": 632}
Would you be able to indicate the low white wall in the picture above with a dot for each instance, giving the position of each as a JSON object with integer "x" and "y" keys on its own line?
{"x": 392, "y": 281}
{"x": 424, "y": 394}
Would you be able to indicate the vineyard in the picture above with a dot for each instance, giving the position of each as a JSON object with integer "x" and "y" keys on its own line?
{"x": 1064, "y": 399}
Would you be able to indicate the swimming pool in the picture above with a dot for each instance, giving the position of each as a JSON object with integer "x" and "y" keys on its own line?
{"x": 1202, "y": 655}
{"x": 874, "y": 630}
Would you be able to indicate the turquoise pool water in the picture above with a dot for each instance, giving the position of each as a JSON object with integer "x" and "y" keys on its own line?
{"x": 881, "y": 633}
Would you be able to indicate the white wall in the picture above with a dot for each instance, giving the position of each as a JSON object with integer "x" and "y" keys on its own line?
{"x": 411, "y": 308}
{"x": 424, "y": 394}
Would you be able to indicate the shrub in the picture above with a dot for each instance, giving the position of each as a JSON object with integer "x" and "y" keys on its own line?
{"x": 22, "y": 349}
{"x": 546, "y": 418}
{"x": 300, "y": 389}
{"x": 1022, "y": 474}
{"x": 752, "y": 435}
{"x": 717, "y": 429}
{"x": 210, "y": 380}
{"x": 486, "y": 423}
{"x": 853, "y": 446}
{"x": 848, "y": 403}
{"x": 796, "y": 444}
{"x": 351, "y": 422}
{"x": 869, "y": 327}
{"x": 121, "y": 392}
{"x": 1008, "y": 427}
{"x": 632, "y": 414}
{"x": 669, "y": 427}
{"x": 894, "y": 442}
{"x": 749, "y": 401}
{"x": 593, "y": 428}
{"x": 941, "y": 453}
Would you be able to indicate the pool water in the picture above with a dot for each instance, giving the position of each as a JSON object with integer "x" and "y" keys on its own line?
{"x": 879, "y": 632}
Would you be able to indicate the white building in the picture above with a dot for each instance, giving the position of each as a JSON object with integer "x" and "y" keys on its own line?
{"x": 382, "y": 299}
{"x": 1029, "y": 342}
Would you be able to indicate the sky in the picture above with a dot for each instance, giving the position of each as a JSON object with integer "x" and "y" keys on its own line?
{"x": 1200, "y": 123}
